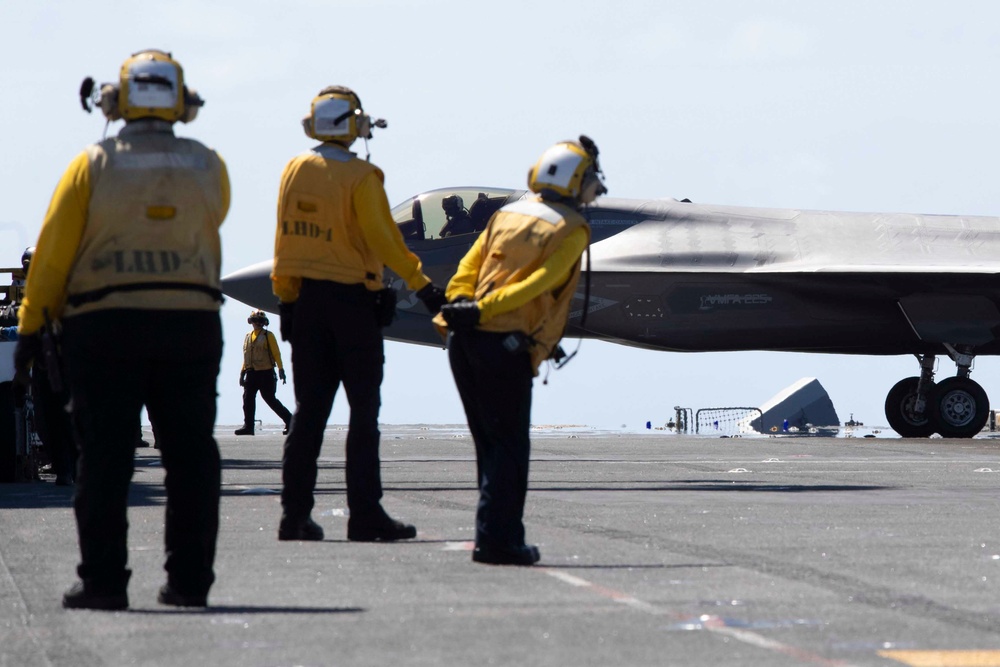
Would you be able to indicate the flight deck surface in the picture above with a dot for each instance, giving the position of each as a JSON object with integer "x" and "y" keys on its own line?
{"x": 657, "y": 549}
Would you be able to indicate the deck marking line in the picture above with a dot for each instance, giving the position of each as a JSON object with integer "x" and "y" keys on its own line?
{"x": 712, "y": 624}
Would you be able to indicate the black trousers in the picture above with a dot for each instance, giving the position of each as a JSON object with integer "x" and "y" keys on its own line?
{"x": 118, "y": 361}
{"x": 265, "y": 383}
{"x": 495, "y": 387}
{"x": 335, "y": 340}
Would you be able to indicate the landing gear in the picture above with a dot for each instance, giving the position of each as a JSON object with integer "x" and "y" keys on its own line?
{"x": 956, "y": 407}
{"x": 959, "y": 407}
{"x": 902, "y": 413}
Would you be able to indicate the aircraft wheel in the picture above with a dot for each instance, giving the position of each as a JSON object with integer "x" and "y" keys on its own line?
{"x": 959, "y": 407}
{"x": 899, "y": 410}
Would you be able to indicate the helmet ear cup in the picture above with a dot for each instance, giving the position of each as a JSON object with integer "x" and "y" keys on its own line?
{"x": 307, "y": 126}
{"x": 364, "y": 124}
{"x": 192, "y": 103}
{"x": 109, "y": 102}
{"x": 590, "y": 187}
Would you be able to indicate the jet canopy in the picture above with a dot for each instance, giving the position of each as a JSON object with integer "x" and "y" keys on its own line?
{"x": 450, "y": 212}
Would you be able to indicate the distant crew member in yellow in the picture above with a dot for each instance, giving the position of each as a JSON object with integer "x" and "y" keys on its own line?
{"x": 260, "y": 356}
{"x": 334, "y": 235}
{"x": 508, "y": 307}
{"x": 128, "y": 262}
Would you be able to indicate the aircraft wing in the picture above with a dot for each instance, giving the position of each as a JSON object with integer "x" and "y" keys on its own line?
{"x": 685, "y": 237}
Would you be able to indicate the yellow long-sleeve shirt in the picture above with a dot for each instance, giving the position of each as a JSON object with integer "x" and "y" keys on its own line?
{"x": 272, "y": 344}
{"x": 59, "y": 242}
{"x": 547, "y": 277}
{"x": 370, "y": 209}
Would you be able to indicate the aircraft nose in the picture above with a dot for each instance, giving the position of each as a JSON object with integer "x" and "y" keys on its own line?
{"x": 252, "y": 285}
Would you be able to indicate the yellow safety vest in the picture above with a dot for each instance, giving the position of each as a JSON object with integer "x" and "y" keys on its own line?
{"x": 257, "y": 351}
{"x": 151, "y": 240}
{"x": 521, "y": 237}
{"x": 318, "y": 233}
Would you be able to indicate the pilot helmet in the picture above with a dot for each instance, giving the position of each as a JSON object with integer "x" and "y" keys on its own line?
{"x": 336, "y": 115}
{"x": 452, "y": 205}
{"x": 258, "y": 316}
{"x": 568, "y": 170}
{"x": 26, "y": 258}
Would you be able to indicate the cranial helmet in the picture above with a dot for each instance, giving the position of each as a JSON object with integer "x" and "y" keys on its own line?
{"x": 26, "y": 257}
{"x": 150, "y": 85}
{"x": 258, "y": 316}
{"x": 568, "y": 170}
{"x": 336, "y": 115}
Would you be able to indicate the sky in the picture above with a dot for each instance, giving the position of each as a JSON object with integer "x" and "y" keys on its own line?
{"x": 834, "y": 105}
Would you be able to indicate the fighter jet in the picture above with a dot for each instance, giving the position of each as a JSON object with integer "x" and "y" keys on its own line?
{"x": 664, "y": 274}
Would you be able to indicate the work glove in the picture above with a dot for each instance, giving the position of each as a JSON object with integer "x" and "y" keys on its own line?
{"x": 286, "y": 311}
{"x": 28, "y": 348}
{"x": 243, "y": 378}
{"x": 461, "y": 315}
{"x": 433, "y": 297}
{"x": 281, "y": 374}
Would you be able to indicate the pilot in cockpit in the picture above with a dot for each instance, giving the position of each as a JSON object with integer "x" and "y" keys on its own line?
{"x": 458, "y": 219}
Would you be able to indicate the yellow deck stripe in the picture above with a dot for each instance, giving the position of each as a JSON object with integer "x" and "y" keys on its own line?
{"x": 945, "y": 658}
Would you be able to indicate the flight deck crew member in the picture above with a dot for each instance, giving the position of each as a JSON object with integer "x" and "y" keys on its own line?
{"x": 508, "y": 306}
{"x": 128, "y": 261}
{"x": 334, "y": 235}
{"x": 260, "y": 356}
{"x": 52, "y": 421}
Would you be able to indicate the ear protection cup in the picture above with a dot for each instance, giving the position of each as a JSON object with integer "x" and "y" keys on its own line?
{"x": 109, "y": 101}
{"x": 192, "y": 103}
{"x": 590, "y": 187}
{"x": 364, "y": 123}
{"x": 307, "y": 126}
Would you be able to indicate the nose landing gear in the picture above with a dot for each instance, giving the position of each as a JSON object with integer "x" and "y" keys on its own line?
{"x": 956, "y": 407}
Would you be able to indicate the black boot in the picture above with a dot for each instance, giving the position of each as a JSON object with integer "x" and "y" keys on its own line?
{"x": 246, "y": 430}
{"x": 526, "y": 554}
{"x": 299, "y": 529}
{"x": 378, "y": 528}
{"x": 109, "y": 595}
{"x": 171, "y": 596}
